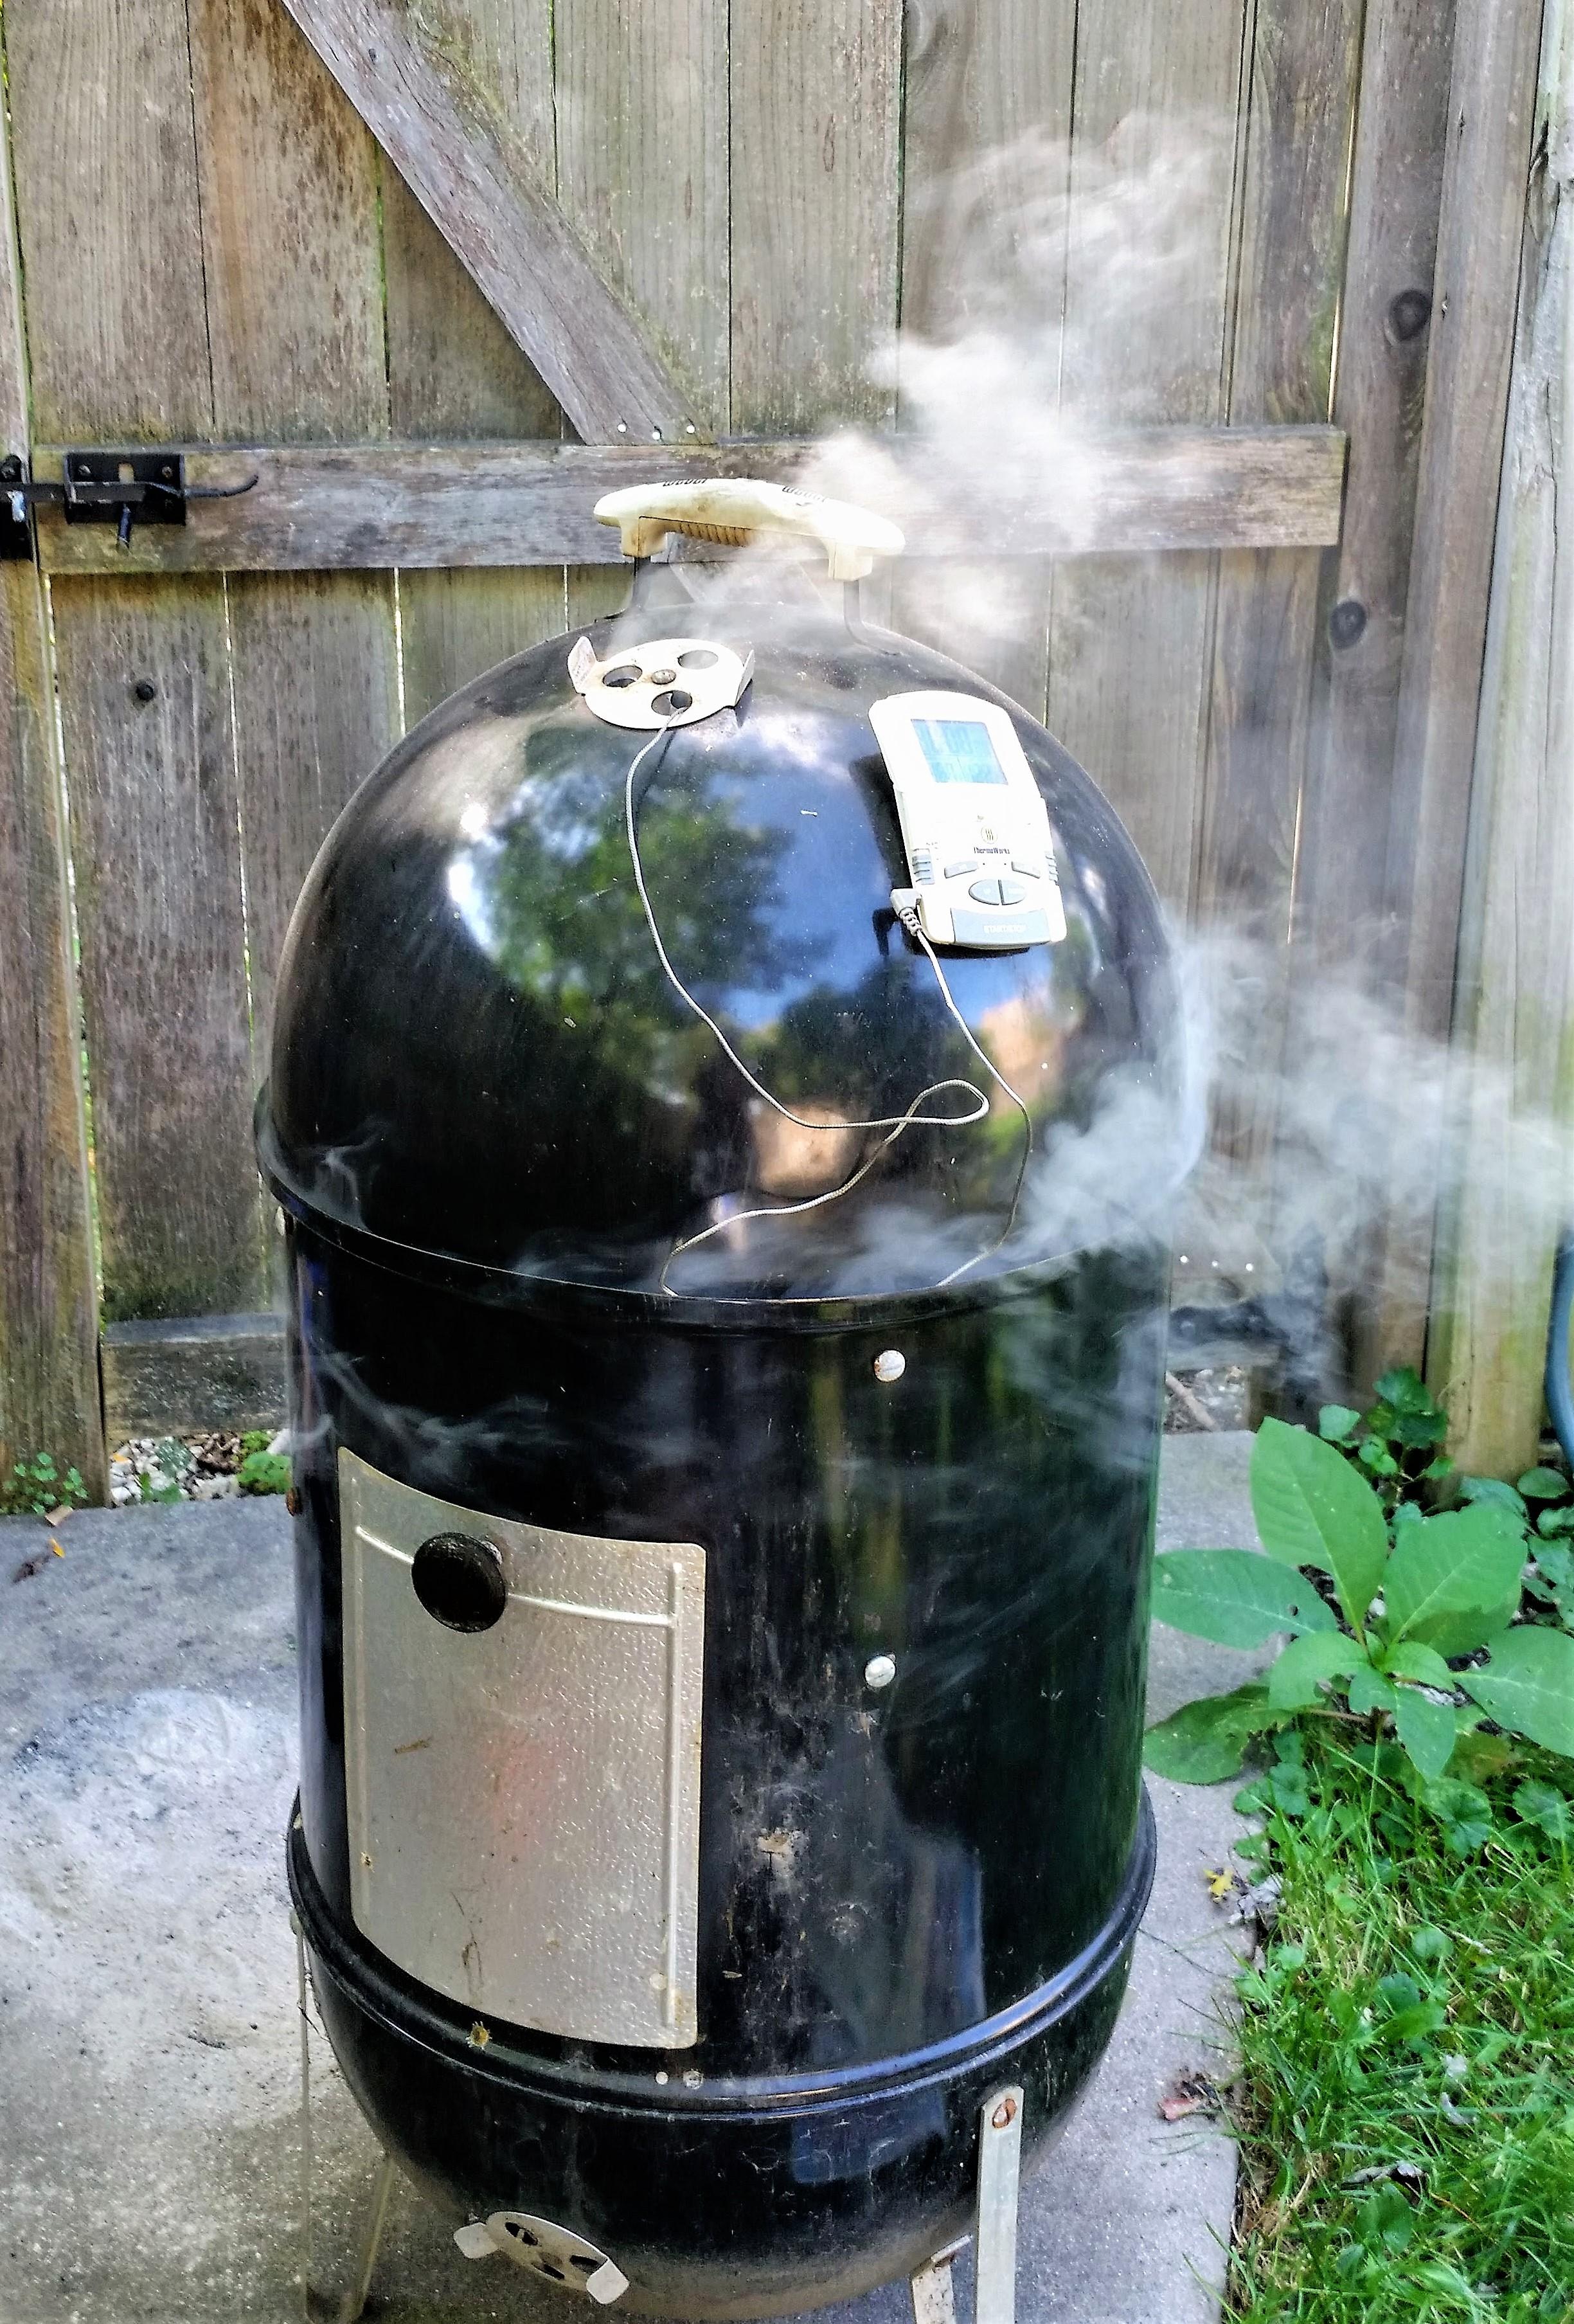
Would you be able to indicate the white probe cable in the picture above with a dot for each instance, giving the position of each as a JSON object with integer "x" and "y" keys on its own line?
{"x": 909, "y": 917}
{"x": 895, "y": 1123}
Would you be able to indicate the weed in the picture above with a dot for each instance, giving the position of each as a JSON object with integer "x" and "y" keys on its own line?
{"x": 261, "y": 1472}
{"x": 37, "y": 1484}
{"x": 1406, "y": 2102}
{"x": 1417, "y": 1625}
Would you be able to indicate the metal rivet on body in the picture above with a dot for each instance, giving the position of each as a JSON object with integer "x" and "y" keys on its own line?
{"x": 891, "y": 1364}
{"x": 880, "y": 1670}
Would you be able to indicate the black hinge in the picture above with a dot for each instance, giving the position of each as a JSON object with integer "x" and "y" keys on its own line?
{"x": 117, "y": 488}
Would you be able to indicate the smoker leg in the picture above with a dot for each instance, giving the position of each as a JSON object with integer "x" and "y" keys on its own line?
{"x": 934, "y": 2294}
{"x": 305, "y": 2120}
{"x": 1000, "y": 2177}
{"x": 354, "y": 2299}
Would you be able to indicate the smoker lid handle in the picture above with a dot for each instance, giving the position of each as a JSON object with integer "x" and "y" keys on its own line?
{"x": 739, "y": 509}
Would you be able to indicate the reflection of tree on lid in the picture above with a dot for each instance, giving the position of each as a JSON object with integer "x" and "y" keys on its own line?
{"x": 549, "y": 896}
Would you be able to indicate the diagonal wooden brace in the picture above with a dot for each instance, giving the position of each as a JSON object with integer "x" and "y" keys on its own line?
{"x": 466, "y": 169}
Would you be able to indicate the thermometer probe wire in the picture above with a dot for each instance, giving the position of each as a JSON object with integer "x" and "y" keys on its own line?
{"x": 895, "y": 1124}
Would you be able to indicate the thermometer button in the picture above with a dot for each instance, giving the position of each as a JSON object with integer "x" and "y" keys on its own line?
{"x": 955, "y": 871}
{"x": 986, "y": 891}
{"x": 1012, "y": 892}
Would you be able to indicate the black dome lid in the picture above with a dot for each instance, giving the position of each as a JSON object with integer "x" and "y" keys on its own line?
{"x": 476, "y": 1053}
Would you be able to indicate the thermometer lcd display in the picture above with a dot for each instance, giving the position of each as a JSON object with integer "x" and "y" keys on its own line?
{"x": 980, "y": 857}
{"x": 959, "y": 751}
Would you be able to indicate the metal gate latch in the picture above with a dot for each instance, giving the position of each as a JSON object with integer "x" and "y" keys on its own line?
{"x": 117, "y": 488}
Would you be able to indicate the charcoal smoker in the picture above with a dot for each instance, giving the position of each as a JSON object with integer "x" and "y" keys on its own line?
{"x": 726, "y": 1397}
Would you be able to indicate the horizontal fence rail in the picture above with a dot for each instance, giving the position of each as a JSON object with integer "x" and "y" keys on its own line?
{"x": 455, "y": 505}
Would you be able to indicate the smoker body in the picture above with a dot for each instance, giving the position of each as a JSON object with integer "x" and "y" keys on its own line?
{"x": 654, "y": 1904}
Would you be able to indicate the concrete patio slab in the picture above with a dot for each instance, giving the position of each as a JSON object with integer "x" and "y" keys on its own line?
{"x": 148, "y": 2126}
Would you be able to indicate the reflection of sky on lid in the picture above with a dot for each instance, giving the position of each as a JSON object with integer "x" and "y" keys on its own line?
{"x": 828, "y": 885}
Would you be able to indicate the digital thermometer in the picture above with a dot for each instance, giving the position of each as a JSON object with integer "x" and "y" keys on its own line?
{"x": 976, "y": 831}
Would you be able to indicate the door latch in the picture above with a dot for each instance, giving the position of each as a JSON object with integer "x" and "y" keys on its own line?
{"x": 117, "y": 488}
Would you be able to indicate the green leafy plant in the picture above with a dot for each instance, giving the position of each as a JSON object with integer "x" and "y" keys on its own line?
{"x": 255, "y": 1440}
{"x": 1390, "y": 1616}
{"x": 38, "y": 1484}
{"x": 261, "y": 1472}
{"x": 1398, "y": 1442}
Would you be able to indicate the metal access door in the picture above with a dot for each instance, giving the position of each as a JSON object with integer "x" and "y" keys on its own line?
{"x": 524, "y": 1800}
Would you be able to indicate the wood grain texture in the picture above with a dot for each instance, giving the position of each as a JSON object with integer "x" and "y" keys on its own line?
{"x": 1487, "y": 156}
{"x": 455, "y": 372}
{"x": 315, "y": 680}
{"x": 105, "y": 158}
{"x": 1491, "y": 114}
{"x": 286, "y": 179}
{"x": 1341, "y": 924}
{"x": 987, "y": 112}
{"x": 291, "y": 233}
{"x": 1152, "y": 233}
{"x": 986, "y": 109}
{"x": 412, "y": 82}
{"x": 1513, "y": 1025}
{"x": 1395, "y": 188}
{"x": 816, "y": 130}
{"x": 152, "y": 795}
{"x": 642, "y": 170}
{"x": 454, "y": 369}
{"x": 48, "y": 1300}
{"x": 470, "y": 622}
{"x": 48, "y": 1306}
{"x": 491, "y": 503}
{"x": 1302, "y": 102}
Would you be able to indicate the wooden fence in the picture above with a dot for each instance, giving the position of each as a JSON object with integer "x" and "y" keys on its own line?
{"x": 661, "y": 229}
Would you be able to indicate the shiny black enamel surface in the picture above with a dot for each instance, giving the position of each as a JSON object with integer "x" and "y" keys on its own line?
{"x": 476, "y": 1051}
{"x": 488, "y": 1120}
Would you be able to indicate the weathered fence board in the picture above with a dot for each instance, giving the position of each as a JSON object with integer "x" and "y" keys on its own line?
{"x": 987, "y": 121}
{"x": 144, "y": 702}
{"x": 49, "y": 1313}
{"x": 1302, "y": 102}
{"x": 1157, "y": 108}
{"x": 412, "y": 82}
{"x": 119, "y": 349}
{"x": 815, "y": 137}
{"x": 106, "y": 162}
{"x": 1491, "y": 112}
{"x": 643, "y": 171}
{"x": 1342, "y": 926}
{"x": 454, "y": 370}
{"x": 452, "y": 505}
{"x": 316, "y": 684}
{"x": 49, "y": 1316}
{"x": 288, "y": 189}
{"x": 1515, "y": 1013}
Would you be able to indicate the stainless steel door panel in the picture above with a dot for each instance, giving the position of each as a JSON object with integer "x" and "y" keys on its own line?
{"x": 524, "y": 1800}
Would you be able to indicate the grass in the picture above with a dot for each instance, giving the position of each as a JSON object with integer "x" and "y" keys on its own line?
{"x": 1406, "y": 2104}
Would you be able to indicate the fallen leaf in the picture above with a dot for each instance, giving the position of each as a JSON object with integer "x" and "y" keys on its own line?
{"x": 1219, "y": 1883}
{"x": 58, "y": 1517}
{"x": 57, "y": 1550}
{"x": 1192, "y": 2094}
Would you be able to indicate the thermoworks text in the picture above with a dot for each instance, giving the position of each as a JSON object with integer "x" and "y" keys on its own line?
{"x": 976, "y": 831}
